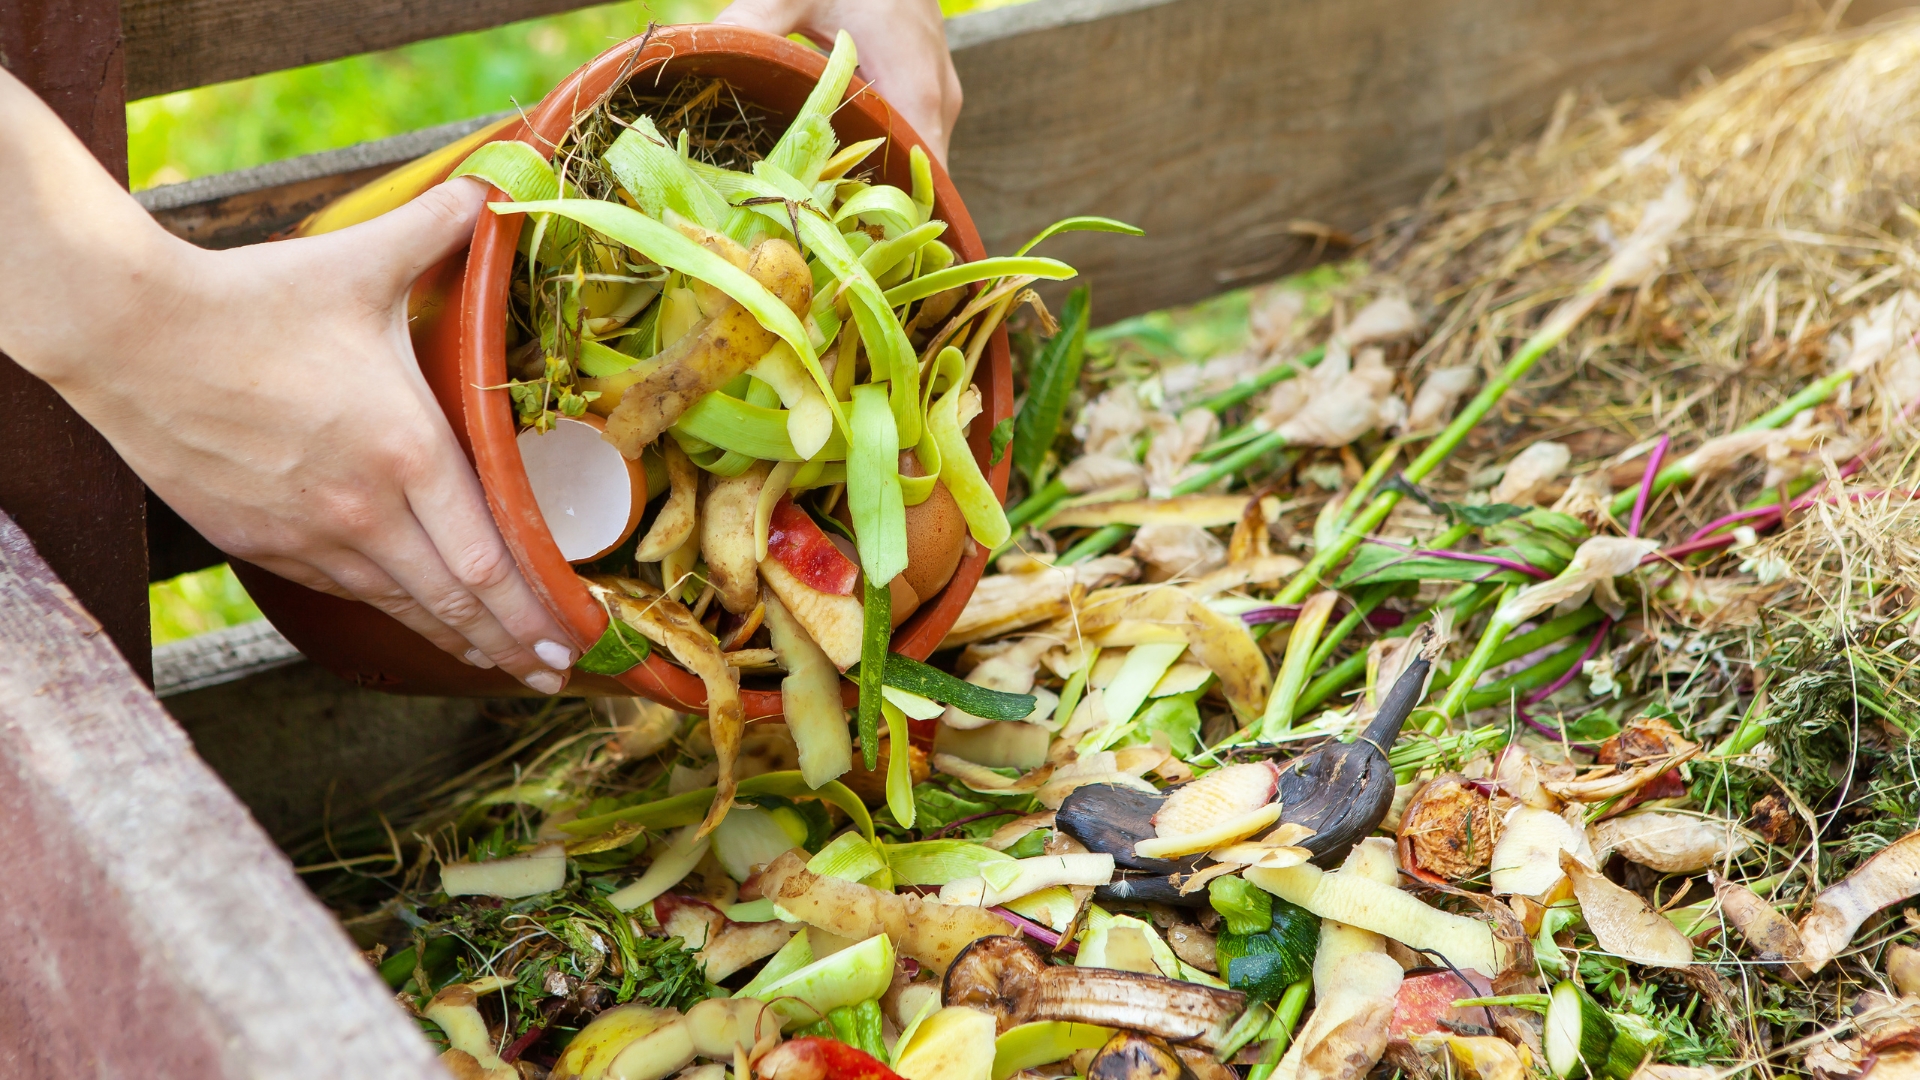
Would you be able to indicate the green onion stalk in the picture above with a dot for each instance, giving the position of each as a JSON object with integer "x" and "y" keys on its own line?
{"x": 1106, "y": 536}
{"x": 1286, "y": 1015}
{"x": 1680, "y": 471}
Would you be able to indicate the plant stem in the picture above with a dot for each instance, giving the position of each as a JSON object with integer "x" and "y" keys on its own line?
{"x": 1109, "y": 535}
{"x": 1528, "y": 679}
{"x": 1295, "y": 667}
{"x": 1246, "y": 388}
{"x": 1369, "y": 599}
{"x": 1336, "y": 678}
{"x": 1286, "y": 1014}
{"x": 1476, "y": 665}
{"x": 1817, "y": 392}
{"x": 1096, "y": 543}
{"x": 1037, "y": 503}
{"x": 1551, "y": 333}
{"x": 1539, "y": 637}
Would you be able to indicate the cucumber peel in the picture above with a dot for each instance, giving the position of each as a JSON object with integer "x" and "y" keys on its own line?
{"x": 906, "y": 673}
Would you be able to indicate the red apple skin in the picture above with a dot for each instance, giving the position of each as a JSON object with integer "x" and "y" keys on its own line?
{"x": 1425, "y": 1000}
{"x": 815, "y": 1058}
{"x": 801, "y": 547}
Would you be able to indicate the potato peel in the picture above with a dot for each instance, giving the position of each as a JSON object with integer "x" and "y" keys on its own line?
{"x": 669, "y": 623}
{"x": 1892, "y": 875}
{"x": 1622, "y": 922}
{"x": 674, "y": 523}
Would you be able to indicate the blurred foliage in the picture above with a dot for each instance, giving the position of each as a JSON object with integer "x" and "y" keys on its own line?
{"x": 210, "y": 599}
{"x": 250, "y": 122}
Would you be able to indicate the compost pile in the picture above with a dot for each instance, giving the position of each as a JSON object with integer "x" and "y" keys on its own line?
{"x": 1487, "y": 657}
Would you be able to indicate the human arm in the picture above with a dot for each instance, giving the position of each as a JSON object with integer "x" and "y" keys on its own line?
{"x": 903, "y": 51}
{"x": 269, "y": 394}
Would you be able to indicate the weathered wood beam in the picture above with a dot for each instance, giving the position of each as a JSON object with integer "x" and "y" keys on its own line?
{"x": 84, "y": 508}
{"x": 179, "y": 44}
{"x": 1217, "y": 124}
{"x": 150, "y": 928}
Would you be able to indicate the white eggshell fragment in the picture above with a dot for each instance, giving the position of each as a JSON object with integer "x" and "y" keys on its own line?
{"x": 590, "y": 496}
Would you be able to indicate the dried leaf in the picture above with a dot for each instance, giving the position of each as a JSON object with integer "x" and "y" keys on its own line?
{"x": 1622, "y": 922}
{"x": 1667, "y": 842}
{"x": 1892, "y": 875}
{"x": 1772, "y": 935}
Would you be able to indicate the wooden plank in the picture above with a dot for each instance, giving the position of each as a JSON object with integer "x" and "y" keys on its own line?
{"x": 150, "y": 927}
{"x": 220, "y": 656}
{"x": 251, "y": 205}
{"x": 1215, "y": 123}
{"x": 303, "y": 749}
{"x": 178, "y": 44}
{"x": 58, "y": 477}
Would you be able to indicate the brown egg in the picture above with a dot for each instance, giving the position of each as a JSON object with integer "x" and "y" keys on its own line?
{"x": 905, "y": 600}
{"x": 936, "y": 535}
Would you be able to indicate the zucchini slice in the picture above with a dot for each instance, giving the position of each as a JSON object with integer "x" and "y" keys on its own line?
{"x": 1579, "y": 1033}
{"x": 906, "y": 673}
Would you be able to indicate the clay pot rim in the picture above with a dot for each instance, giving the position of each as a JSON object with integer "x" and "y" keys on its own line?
{"x": 482, "y": 322}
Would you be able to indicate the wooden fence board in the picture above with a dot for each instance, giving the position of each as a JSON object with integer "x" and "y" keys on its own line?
{"x": 1214, "y": 124}
{"x": 150, "y": 928}
{"x": 58, "y": 477}
{"x": 179, "y": 44}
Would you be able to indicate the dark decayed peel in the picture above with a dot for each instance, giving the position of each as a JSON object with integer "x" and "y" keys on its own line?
{"x": 1343, "y": 790}
{"x": 1112, "y": 819}
{"x": 1128, "y": 1056}
{"x": 1007, "y": 977}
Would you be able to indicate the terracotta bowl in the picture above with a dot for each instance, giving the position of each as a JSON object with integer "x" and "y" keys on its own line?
{"x": 460, "y": 310}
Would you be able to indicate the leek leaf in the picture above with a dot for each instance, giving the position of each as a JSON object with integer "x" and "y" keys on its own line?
{"x": 658, "y": 177}
{"x": 1082, "y": 224}
{"x": 922, "y": 169}
{"x": 967, "y": 273}
{"x": 1055, "y": 372}
{"x": 513, "y": 167}
{"x": 986, "y": 518}
{"x": 873, "y": 487}
{"x": 753, "y": 430}
{"x": 665, "y": 245}
{"x": 888, "y": 350}
{"x": 888, "y": 205}
{"x": 899, "y": 766}
{"x": 808, "y": 143}
{"x": 688, "y": 808}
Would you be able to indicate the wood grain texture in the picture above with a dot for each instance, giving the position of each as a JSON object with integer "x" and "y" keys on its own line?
{"x": 1213, "y": 124}
{"x": 177, "y": 44}
{"x": 150, "y": 929}
{"x": 58, "y": 477}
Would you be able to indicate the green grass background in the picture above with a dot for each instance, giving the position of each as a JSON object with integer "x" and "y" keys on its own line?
{"x": 250, "y": 122}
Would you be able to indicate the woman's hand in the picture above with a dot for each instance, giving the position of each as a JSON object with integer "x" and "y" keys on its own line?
{"x": 903, "y": 51}
{"x": 269, "y": 394}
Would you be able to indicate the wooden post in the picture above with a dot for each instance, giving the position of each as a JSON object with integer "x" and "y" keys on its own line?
{"x": 83, "y": 507}
{"x": 150, "y": 929}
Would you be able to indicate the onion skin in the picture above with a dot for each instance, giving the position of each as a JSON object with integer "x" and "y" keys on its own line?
{"x": 1889, "y": 877}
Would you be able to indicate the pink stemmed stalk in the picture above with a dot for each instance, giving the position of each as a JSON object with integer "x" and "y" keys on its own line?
{"x": 1646, "y": 484}
{"x": 1766, "y": 517}
{"x": 1034, "y": 930}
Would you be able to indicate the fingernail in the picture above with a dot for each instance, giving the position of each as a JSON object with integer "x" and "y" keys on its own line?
{"x": 554, "y": 655}
{"x": 479, "y": 659}
{"x": 547, "y": 682}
